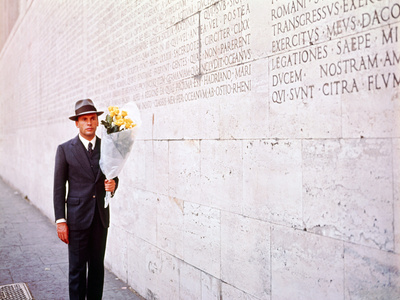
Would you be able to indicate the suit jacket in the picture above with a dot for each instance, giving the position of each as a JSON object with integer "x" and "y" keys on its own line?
{"x": 85, "y": 185}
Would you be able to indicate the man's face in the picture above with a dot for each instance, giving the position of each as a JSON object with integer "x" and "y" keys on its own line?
{"x": 87, "y": 125}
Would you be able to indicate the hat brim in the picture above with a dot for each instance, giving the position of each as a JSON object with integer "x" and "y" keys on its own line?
{"x": 75, "y": 118}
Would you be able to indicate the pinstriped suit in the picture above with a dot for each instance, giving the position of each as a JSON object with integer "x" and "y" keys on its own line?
{"x": 86, "y": 216}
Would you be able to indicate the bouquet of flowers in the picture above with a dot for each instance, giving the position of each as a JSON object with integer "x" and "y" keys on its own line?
{"x": 118, "y": 135}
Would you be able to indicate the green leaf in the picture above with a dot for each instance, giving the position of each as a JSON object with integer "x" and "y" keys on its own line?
{"x": 115, "y": 128}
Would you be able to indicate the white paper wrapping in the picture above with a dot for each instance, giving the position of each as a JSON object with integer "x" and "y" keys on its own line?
{"x": 116, "y": 147}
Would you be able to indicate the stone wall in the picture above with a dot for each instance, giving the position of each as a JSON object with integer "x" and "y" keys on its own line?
{"x": 267, "y": 166}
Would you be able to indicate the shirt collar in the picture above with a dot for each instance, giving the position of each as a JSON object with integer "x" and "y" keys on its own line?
{"x": 85, "y": 142}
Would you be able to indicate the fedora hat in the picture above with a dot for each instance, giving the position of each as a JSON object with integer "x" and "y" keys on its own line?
{"x": 84, "y": 107}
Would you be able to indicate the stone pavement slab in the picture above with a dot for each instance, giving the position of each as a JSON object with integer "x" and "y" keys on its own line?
{"x": 31, "y": 253}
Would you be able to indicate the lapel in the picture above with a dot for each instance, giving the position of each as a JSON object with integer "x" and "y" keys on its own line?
{"x": 98, "y": 146}
{"x": 78, "y": 150}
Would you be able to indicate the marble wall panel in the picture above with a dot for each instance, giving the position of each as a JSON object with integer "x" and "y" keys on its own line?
{"x": 272, "y": 176}
{"x": 117, "y": 249}
{"x": 204, "y": 120}
{"x": 245, "y": 254}
{"x": 184, "y": 170}
{"x": 247, "y": 114}
{"x": 147, "y": 166}
{"x": 210, "y": 287}
{"x": 296, "y": 108}
{"x": 373, "y": 74}
{"x": 150, "y": 167}
{"x": 396, "y": 194}
{"x": 300, "y": 262}
{"x": 146, "y": 129}
{"x": 170, "y": 219}
{"x": 348, "y": 191}
{"x": 160, "y": 171}
{"x": 168, "y": 123}
{"x": 297, "y": 48}
{"x": 195, "y": 284}
{"x": 221, "y": 179}
{"x": 371, "y": 274}
{"x": 153, "y": 272}
{"x": 136, "y": 212}
{"x": 123, "y": 204}
{"x": 134, "y": 172}
{"x": 166, "y": 269}
{"x": 190, "y": 282}
{"x": 139, "y": 275}
{"x": 202, "y": 238}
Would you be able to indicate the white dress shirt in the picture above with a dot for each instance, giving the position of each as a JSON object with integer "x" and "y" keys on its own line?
{"x": 85, "y": 142}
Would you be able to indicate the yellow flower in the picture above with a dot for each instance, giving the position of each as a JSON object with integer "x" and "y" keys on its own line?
{"x": 129, "y": 123}
{"x": 119, "y": 122}
{"x": 113, "y": 110}
{"x": 118, "y": 117}
{"x": 124, "y": 113}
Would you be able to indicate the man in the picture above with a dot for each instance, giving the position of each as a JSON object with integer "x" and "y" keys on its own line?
{"x": 85, "y": 223}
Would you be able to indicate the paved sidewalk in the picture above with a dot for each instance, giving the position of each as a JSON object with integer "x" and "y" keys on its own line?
{"x": 31, "y": 253}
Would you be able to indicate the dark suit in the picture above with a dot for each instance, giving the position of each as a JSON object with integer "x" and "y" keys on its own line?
{"x": 86, "y": 216}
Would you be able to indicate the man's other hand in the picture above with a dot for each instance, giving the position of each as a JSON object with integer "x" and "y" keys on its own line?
{"x": 63, "y": 232}
{"x": 109, "y": 185}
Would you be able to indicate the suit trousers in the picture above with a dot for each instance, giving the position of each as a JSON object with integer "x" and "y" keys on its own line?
{"x": 86, "y": 251}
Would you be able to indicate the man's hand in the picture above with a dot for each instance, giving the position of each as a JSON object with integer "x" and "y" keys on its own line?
{"x": 109, "y": 185}
{"x": 63, "y": 232}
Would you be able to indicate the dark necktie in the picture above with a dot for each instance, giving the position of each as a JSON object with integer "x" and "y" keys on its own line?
{"x": 90, "y": 149}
